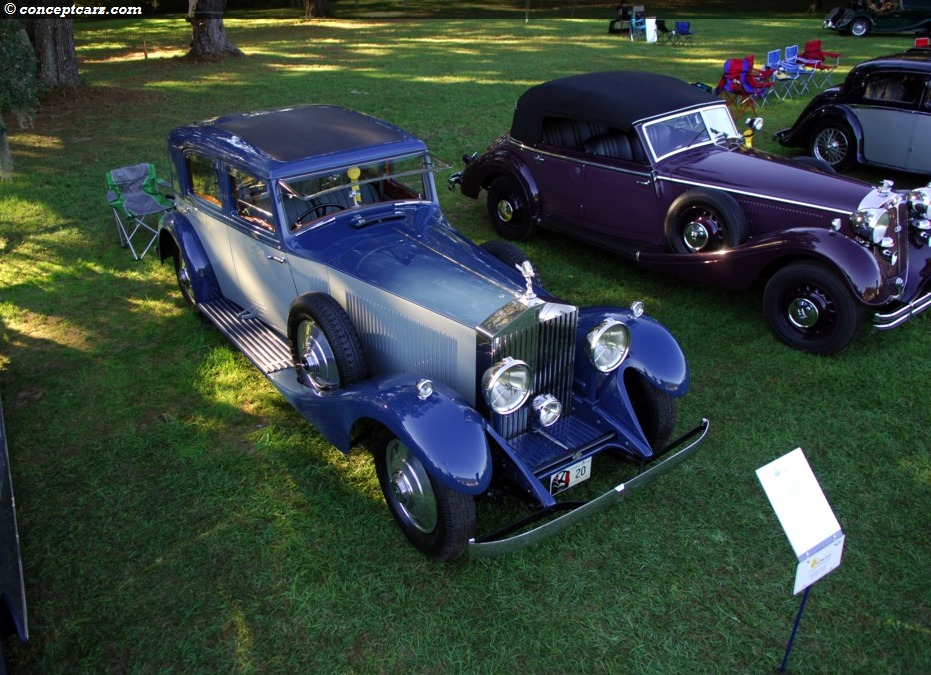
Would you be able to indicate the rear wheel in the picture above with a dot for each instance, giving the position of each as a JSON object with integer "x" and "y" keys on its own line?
{"x": 860, "y": 28}
{"x": 833, "y": 143}
{"x": 437, "y": 520}
{"x": 509, "y": 209}
{"x": 809, "y": 308}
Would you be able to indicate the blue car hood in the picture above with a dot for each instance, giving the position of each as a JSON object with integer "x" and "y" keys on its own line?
{"x": 751, "y": 172}
{"x": 411, "y": 251}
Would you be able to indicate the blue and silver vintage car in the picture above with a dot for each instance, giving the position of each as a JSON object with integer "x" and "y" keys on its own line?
{"x": 13, "y": 620}
{"x": 312, "y": 237}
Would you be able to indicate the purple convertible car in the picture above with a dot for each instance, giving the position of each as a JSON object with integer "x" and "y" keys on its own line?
{"x": 654, "y": 169}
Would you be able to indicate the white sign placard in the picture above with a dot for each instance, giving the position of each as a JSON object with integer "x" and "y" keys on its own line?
{"x": 818, "y": 564}
{"x": 805, "y": 516}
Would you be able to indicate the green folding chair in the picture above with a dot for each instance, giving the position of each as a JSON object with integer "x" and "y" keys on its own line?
{"x": 138, "y": 199}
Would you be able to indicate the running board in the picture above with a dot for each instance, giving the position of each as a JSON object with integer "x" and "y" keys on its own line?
{"x": 263, "y": 346}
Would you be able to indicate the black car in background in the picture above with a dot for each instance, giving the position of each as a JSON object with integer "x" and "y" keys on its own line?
{"x": 880, "y": 115}
{"x": 862, "y": 17}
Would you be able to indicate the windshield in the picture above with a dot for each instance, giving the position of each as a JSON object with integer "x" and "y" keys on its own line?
{"x": 308, "y": 198}
{"x": 678, "y": 132}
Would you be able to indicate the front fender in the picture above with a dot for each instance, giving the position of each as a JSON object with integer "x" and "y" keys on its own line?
{"x": 445, "y": 433}
{"x": 654, "y": 353}
{"x": 739, "y": 267}
{"x": 177, "y": 233}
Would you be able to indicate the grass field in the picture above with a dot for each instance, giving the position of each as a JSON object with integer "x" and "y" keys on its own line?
{"x": 178, "y": 516}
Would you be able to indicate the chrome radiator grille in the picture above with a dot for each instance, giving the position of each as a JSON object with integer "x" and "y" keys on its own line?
{"x": 547, "y": 345}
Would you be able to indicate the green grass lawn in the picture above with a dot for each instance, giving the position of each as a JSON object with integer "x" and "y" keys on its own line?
{"x": 178, "y": 516}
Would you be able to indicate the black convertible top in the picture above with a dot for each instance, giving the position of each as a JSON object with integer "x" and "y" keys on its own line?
{"x": 618, "y": 98}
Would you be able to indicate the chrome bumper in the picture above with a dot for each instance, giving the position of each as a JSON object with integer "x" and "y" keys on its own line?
{"x": 500, "y": 543}
{"x": 902, "y": 314}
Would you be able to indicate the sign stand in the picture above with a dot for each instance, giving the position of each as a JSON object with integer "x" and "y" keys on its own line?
{"x": 808, "y": 521}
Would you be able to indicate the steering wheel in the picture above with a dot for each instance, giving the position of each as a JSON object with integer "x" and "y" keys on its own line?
{"x": 319, "y": 210}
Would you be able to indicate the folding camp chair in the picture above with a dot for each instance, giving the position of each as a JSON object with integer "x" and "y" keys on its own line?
{"x": 135, "y": 193}
{"x": 664, "y": 35}
{"x": 638, "y": 25}
{"x": 824, "y": 62}
{"x": 684, "y": 32}
{"x": 801, "y": 71}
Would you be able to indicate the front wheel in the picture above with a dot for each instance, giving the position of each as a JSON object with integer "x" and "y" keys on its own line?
{"x": 185, "y": 283}
{"x": 809, "y": 308}
{"x": 437, "y": 520}
{"x": 833, "y": 143}
{"x": 655, "y": 409}
{"x": 509, "y": 209}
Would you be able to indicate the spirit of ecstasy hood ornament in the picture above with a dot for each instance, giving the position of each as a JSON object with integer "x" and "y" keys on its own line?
{"x": 527, "y": 270}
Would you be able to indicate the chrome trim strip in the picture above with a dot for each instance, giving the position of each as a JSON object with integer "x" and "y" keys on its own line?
{"x": 898, "y": 317}
{"x": 501, "y": 546}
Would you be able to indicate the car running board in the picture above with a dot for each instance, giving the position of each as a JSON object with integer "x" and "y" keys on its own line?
{"x": 261, "y": 345}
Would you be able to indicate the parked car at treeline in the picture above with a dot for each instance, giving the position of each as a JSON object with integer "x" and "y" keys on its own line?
{"x": 13, "y": 618}
{"x": 880, "y": 115}
{"x": 665, "y": 179}
{"x": 862, "y": 17}
{"x": 312, "y": 237}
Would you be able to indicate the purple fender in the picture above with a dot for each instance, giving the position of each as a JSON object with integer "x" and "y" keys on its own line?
{"x": 739, "y": 267}
{"x": 445, "y": 433}
{"x": 499, "y": 160}
{"x": 175, "y": 232}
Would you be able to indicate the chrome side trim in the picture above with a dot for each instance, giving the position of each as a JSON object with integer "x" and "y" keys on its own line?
{"x": 495, "y": 546}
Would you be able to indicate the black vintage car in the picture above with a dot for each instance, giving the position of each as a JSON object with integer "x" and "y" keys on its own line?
{"x": 862, "y": 17}
{"x": 880, "y": 115}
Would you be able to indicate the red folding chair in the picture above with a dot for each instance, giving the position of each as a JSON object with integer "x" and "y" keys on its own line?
{"x": 824, "y": 62}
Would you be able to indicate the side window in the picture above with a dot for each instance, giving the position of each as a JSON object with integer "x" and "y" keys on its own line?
{"x": 894, "y": 88}
{"x": 204, "y": 179}
{"x": 251, "y": 199}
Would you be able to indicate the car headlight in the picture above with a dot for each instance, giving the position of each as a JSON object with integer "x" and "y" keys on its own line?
{"x": 608, "y": 344}
{"x": 547, "y": 408}
{"x": 919, "y": 200}
{"x": 507, "y": 385}
{"x": 871, "y": 224}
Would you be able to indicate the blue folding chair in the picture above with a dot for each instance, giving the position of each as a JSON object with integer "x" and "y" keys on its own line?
{"x": 684, "y": 32}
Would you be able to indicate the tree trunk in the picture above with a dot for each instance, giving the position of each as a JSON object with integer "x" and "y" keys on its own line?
{"x": 53, "y": 41}
{"x": 317, "y": 9}
{"x": 209, "y": 33}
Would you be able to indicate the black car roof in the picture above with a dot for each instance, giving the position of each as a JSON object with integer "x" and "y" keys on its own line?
{"x": 617, "y": 97}
{"x": 916, "y": 58}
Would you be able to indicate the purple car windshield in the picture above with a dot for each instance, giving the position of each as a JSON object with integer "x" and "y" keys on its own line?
{"x": 676, "y": 133}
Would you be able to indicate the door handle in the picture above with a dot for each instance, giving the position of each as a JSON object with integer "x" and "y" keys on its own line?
{"x": 277, "y": 259}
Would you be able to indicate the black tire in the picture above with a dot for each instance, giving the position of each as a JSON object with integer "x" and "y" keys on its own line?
{"x": 509, "y": 254}
{"x": 815, "y": 163}
{"x": 701, "y": 221}
{"x": 834, "y": 144}
{"x": 326, "y": 349}
{"x": 808, "y": 307}
{"x": 509, "y": 209}
{"x": 185, "y": 284}
{"x": 656, "y": 410}
{"x": 860, "y": 27}
{"x": 437, "y": 520}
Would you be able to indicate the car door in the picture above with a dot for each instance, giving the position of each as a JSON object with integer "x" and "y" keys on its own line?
{"x": 263, "y": 271}
{"x": 619, "y": 197}
{"x": 558, "y": 167}
{"x": 919, "y": 153}
{"x": 887, "y": 116}
{"x": 203, "y": 207}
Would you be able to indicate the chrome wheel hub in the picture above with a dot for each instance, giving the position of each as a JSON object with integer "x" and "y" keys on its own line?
{"x": 316, "y": 356}
{"x": 505, "y": 210}
{"x": 696, "y": 236}
{"x": 410, "y": 487}
{"x": 803, "y": 313}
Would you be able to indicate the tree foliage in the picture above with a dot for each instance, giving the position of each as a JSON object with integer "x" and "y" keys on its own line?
{"x": 18, "y": 85}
